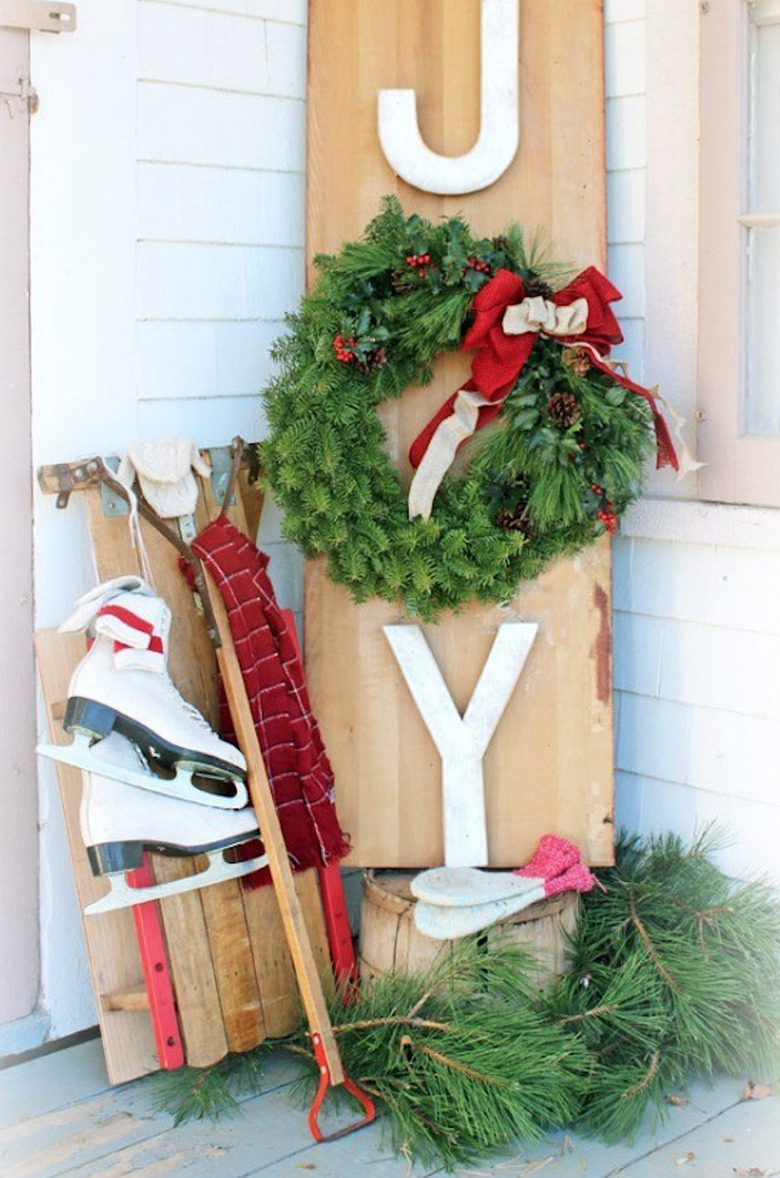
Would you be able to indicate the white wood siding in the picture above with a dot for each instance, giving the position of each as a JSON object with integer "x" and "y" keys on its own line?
{"x": 168, "y": 163}
{"x": 697, "y": 631}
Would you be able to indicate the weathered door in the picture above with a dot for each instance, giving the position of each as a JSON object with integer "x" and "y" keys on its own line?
{"x": 19, "y": 942}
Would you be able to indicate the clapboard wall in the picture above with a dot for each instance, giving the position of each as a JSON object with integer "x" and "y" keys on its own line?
{"x": 697, "y": 631}
{"x": 167, "y": 179}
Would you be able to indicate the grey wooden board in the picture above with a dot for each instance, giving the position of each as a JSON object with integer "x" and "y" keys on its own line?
{"x": 59, "y": 1117}
{"x": 102, "y": 1129}
{"x": 742, "y": 1138}
{"x": 44, "y": 1084}
{"x": 364, "y": 1153}
{"x": 579, "y": 1157}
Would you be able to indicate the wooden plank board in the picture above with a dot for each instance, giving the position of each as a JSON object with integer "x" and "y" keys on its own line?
{"x": 549, "y": 766}
{"x": 128, "y": 1042}
{"x": 37, "y": 1086}
{"x": 93, "y": 1135}
{"x": 55, "y": 1115}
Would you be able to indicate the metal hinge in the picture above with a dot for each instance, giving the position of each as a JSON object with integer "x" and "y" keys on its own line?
{"x": 38, "y": 15}
{"x": 21, "y": 97}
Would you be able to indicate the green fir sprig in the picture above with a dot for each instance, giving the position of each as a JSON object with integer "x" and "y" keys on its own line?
{"x": 675, "y": 973}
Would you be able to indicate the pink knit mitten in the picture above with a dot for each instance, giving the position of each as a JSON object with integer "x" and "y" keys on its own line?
{"x": 552, "y": 857}
{"x": 576, "y": 879}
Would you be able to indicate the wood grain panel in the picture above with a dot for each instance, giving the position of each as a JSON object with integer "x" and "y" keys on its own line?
{"x": 549, "y": 766}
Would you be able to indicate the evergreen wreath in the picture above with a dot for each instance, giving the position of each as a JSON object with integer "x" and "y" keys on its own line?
{"x": 556, "y": 471}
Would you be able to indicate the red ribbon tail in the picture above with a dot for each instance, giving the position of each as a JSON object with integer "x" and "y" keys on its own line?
{"x": 666, "y": 455}
{"x": 422, "y": 441}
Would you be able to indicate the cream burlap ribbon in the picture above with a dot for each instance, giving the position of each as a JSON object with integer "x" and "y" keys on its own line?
{"x": 537, "y": 315}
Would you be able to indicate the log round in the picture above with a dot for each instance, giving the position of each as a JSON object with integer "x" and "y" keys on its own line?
{"x": 390, "y": 941}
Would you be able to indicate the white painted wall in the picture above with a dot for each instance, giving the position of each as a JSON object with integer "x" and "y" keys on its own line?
{"x": 167, "y": 245}
{"x": 697, "y": 638}
{"x": 163, "y": 263}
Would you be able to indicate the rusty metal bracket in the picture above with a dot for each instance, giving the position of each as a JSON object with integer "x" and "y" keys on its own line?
{"x": 63, "y": 478}
{"x": 38, "y": 15}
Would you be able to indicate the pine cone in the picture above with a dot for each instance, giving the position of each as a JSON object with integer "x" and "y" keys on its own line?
{"x": 375, "y": 359}
{"x": 536, "y": 287}
{"x": 578, "y": 360}
{"x": 563, "y": 409}
{"x": 513, "y": 520}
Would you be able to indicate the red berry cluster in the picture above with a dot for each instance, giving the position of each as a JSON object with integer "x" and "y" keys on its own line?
{"x": 609, "y": 520}
{"x": 479, "y": 264}
{"x": 419, "y": 262}
{"x": 342, "y": 348}
{"x": 606, "y": 513}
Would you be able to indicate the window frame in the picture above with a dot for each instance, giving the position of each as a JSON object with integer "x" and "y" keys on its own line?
{"x": 741, "y": 468}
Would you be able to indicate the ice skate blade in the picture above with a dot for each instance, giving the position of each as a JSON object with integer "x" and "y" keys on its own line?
{"x": 79, "y": 754}
{"x": 218, "y": 871}
{"x": 97, "y": 720}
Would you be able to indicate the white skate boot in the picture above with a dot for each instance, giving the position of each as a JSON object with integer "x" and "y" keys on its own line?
{"x": 120, "y": 822}
{"x": 146, "y": 707}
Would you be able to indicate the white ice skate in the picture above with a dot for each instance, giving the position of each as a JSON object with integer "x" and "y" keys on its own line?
{"x": 120, "y": 822}
{"x": 186, "y": 758}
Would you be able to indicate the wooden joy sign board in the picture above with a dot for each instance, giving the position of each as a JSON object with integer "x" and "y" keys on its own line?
{"x": 492, "y": 109}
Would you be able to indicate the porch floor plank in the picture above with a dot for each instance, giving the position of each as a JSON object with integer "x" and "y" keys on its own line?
{"x": 45, "y": 1084}
{"x": 60, "y": 1119}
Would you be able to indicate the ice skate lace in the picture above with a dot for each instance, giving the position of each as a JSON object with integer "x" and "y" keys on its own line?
{"x": 188, "y": 710}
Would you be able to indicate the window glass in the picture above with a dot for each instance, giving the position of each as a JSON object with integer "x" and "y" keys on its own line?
{"x": 762, "y": 222}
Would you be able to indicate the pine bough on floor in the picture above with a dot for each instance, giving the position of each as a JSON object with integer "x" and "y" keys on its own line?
{"x": 675, "y": 973}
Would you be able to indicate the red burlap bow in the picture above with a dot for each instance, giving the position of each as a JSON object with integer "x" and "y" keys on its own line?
{"x": 500, "y": 357}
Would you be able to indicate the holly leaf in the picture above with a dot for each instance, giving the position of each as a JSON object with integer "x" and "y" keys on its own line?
{"x": 615, "y": 396}
{"x": 473, "y": 280}
{"x": 526, "y": 418}
{"x": 363, "y": 321}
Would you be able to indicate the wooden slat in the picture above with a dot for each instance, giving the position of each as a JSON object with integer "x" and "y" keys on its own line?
{"x": 231, "y": 956}
{"x": 273, "y": 963}
{"x": 128, "y": 1041}
{"x": 549, "y": 766}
